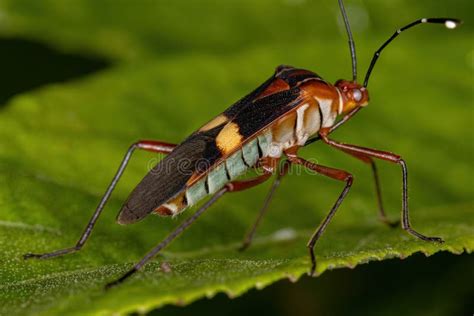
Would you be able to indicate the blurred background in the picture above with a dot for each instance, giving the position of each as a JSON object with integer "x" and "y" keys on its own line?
{"x": 440, "y": 285}
{"x": 175, "y": 59}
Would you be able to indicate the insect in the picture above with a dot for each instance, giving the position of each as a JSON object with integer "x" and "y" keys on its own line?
{"x": 292, "y": 109}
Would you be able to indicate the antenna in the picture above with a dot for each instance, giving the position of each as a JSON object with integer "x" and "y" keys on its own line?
{"x": 450, "y": 23}
{"x": 352, "y": 48}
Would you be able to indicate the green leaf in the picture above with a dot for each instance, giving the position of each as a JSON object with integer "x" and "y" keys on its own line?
{"x": 61, "y": 144}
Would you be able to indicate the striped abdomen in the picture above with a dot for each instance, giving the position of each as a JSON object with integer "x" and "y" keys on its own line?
{"x": 229, "y": 169}
{"x": 291, "y": 130}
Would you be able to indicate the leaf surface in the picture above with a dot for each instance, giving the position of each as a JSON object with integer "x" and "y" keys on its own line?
{"x": 60, "y": 146}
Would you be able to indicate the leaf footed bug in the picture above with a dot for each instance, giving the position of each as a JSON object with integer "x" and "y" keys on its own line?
{"x": 292, "y": 109}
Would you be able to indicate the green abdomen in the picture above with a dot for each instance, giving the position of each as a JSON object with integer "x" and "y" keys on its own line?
{"x": 231, "y": 168}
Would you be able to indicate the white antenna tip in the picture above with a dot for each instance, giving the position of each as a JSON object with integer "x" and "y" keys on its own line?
{"x": 450, "y": 24}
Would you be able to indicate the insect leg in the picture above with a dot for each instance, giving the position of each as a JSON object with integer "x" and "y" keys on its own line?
{"x": 233, "y": 186}
{"x": 336, "y": 174}
{"x": 378, "y": 190}
{"x": 250, "y": 234}
{"x": 148, "y": 145}
{"x": 170, "y": 237}
{"x": 391, "y": 157}
{"x": 267, "y": 165}
{"x": 236, "y": 186}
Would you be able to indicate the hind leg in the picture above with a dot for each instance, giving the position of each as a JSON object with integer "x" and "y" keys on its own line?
{"x": 148, "y": 145}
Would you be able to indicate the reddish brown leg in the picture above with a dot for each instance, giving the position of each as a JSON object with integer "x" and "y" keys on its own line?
{"x": 148, "y": 145}
{"x": 383, "y": 217}
{"x": 391, "y": 157}
{"x": 250, "y": 234}
{"x": 266, "y": 164}
{"x": 336, "y": 174}
{"x": 175, "y": 233}
{"x": 234, "y": 186}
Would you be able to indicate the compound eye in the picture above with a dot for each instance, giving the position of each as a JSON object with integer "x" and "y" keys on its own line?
{"x": 357, "y": 95}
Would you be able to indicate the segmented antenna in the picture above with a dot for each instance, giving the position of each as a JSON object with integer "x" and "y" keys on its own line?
{"x": 450, "y": 23}
{"x": 352, "y": 48}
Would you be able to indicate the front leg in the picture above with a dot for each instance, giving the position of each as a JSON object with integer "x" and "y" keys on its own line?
{"x": 388, "y": 156}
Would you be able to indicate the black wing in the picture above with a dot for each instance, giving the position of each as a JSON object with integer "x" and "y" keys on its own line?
{"x": 199, "y": 151}
{"x": 167, "y": 178}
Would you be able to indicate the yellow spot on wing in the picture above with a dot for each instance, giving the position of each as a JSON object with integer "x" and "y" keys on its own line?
{"x": 218, "y": 120}
{"x": 229, "y": 138}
